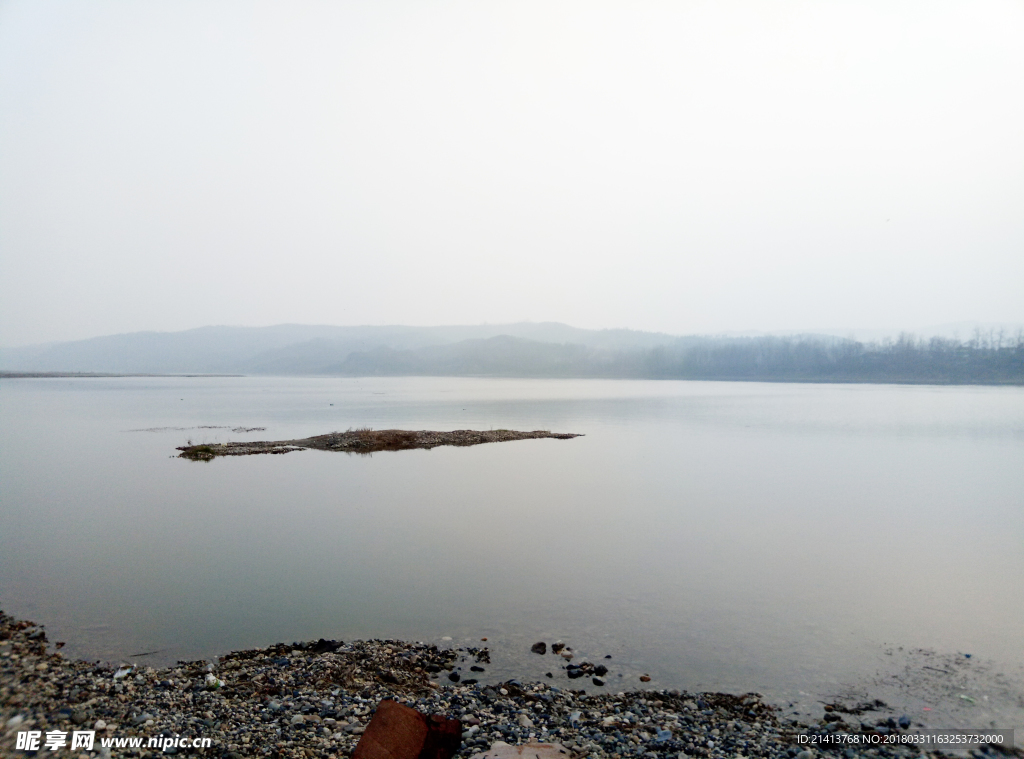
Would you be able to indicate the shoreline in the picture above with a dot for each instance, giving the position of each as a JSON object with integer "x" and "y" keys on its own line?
{"x": 316, "y": 698}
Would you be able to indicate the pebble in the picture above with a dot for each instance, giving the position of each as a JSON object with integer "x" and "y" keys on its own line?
{"x": 318, "y": 701}
{"x": 540, "y": 647}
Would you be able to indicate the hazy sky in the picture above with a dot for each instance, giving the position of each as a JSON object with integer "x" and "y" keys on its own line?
{"x": 675, "y": 166}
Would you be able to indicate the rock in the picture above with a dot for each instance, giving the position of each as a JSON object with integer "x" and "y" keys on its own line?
{"x": 79, "y": 717}
{"x": 600, "y": 670}
{"x": 645, "y": 678}
{"x": 556, "y": 648}
{"x": 454, "y": 677}
{"x": 501, "y": 750}
{"x": 99, "y": 726}
{"x": 400, "y": 732}
{"x": 904, "y": 722}
{"x": 475, "y": 668}
{"x": 597, "y": 681}
{"x": 525, "y": 721}
{"x": 540, "y": 647}
{"x": 297, "y": 719}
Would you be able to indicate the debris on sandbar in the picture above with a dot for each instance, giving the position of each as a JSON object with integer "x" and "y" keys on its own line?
{"x": 365, "y": 441}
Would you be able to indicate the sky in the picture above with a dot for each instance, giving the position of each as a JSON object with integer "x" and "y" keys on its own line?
{"x": 684, "y": 167}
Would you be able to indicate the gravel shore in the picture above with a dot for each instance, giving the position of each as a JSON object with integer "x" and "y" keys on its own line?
{"x": 314, "y": 699}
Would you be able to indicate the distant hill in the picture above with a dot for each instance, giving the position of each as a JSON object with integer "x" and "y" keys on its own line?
{"x": 530, "y": 350}
{"x": 285, "y": 348}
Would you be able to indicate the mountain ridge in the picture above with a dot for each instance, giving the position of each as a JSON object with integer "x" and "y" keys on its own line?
{"x": 528, "y": 349}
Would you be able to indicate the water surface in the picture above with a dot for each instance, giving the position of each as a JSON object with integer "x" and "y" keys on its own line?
{"x": 777, "y": 538}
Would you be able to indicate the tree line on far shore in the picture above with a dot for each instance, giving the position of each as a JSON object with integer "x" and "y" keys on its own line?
{"x": 986, "y": 358}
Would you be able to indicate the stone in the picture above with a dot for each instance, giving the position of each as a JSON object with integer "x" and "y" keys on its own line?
{"x": 645, "y": 678}
{"x": 540, "y": 647}
{"x": 501, "y": 750}
{"x": 400, "y": 732}
{"x": 600, "y": 670}
{"x": 904, "y": 722}
{"x": 597, "y": 681}
{"x": 454, "y": 677}
{"x": 525, "y": 721}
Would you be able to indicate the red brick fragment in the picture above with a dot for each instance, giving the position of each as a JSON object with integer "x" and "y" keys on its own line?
{"x": 399, "y": 732}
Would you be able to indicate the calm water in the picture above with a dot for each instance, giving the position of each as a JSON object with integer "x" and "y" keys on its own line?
{"x": 727, "y": 536}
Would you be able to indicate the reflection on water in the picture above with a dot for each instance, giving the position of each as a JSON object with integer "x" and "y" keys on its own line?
{"x": 732, "y": 536}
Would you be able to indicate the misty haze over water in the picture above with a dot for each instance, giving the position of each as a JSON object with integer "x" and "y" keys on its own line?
{"x": 993, "y": 356}
{"x": 698, "y": 187}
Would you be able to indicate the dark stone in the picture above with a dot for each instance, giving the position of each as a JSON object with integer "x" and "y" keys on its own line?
{"x": 470, "y": 681}
{"x": 540, "y": 647}
{"x": 475, "y": 668}
{"x": 548, "y": 674}
{"x": 607, "y": 656}
{"x": 904, "y": 722}
{"x": 556, "y": 648}
{"x": 454, "y": 677}
{"x": 600, "y": 670}
{"x": 597, "y": 681}
{"x": 324, "y": 646}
